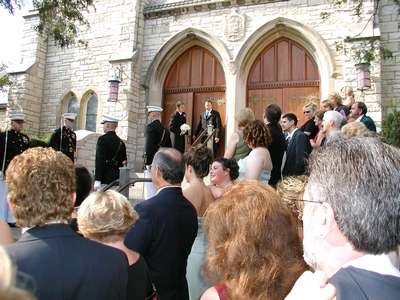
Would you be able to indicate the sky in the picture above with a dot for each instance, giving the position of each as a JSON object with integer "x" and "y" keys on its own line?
{"x": 11, "y": 27}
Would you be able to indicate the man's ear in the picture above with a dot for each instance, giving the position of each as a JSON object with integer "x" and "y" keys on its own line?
{"x": 326, "y": 218}
{"x": 73, "y": 198}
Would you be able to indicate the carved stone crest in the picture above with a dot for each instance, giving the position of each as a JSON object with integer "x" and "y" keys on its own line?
{"x": 234, "y": 26}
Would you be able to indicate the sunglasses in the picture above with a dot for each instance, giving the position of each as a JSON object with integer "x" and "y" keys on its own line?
{"x": 19, "y": 121}
{"x": 310, "y": 201}
{"x": 307, "y": 111}
{"x": 70, "y": 120}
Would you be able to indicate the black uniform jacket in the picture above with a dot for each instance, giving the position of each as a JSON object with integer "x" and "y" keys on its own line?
{"x": 17, "y": 143}
{"x": 156, "y": 136}
{"x": 68, "y": 142}
{"x": 110, "y": 154}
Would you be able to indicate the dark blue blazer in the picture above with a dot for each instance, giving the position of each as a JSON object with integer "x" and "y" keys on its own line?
{"x": 298, "y": 150}
{"x": 164, "y": 235}
{"x": 368, "y": 122}
{"x": 66, "y": 266}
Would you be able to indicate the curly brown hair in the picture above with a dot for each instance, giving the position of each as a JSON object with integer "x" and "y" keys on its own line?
{"x": 256, "y": 134}
{"x": 254, "y": 246}
{"x": 200, "y": 158}
{"x": 40, "y": 183}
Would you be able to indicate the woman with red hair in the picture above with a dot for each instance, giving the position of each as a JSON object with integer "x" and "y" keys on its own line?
{"x": 254, "y": 248}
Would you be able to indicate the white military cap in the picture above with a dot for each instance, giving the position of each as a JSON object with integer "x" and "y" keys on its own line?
{"x": 151, "y": 108}
{"x": 17, "y": 116}
{"x": 69, "y": 116}
{"x": 109, "y": 119}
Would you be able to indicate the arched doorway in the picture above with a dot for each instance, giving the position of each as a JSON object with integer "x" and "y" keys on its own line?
{"x": 283, "y": 73}
{"x": 195, "y": 76}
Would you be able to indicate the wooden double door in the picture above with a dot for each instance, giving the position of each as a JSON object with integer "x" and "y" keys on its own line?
{"x": 284, "y": 73}
{"x": 194, "y": 78}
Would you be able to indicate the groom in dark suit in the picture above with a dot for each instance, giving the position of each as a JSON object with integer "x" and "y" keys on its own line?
{"x": 167, "y": 227}
{"x": 212, "y": 117}
{"x": 62, "y": 264}
{"x": 298, "y": 147}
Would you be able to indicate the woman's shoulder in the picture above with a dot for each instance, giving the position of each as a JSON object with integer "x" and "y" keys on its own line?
{"x": 211, "y": 294}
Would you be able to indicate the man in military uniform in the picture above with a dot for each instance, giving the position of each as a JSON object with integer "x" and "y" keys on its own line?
{"x": 64, "y": 138}
{"x": 17, "y": 142}
{"x": 178, "y": 118}
{"x": 12, "y": 143}
{"x": 110, "y": 153}
{"x": 156, "y": 136}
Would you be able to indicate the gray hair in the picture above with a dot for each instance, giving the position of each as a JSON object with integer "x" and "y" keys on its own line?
{"x": 171, "y": 165}
{"x": 360, "y": 178}
{"x": 335, "y": 117}
{"x": 311, "y": 106}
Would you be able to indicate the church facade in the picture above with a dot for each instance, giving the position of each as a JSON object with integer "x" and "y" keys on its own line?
{"x": 236, "y": 53}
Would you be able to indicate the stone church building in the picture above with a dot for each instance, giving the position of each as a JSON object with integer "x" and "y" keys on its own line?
{"x": 236, "y": 53}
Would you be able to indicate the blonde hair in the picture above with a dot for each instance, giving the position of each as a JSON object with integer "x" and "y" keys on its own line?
{"x": 336, "y": 98}
{"x": 354, "y": 129}
{"x": 245, "y": 116}
{"x": 327, "y": 102}
{"x": 106, "y": 216}
{"x": 41, "y": 182}
{"x": 291, "y": 190}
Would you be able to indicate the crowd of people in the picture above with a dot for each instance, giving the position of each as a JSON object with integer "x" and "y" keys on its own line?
{"x": 290, "y": 212}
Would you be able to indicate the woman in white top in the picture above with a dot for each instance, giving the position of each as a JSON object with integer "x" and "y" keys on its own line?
{"x": 258, "y": 164}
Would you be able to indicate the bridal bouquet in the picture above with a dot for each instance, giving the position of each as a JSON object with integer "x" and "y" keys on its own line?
{"x": 184, "y": 128}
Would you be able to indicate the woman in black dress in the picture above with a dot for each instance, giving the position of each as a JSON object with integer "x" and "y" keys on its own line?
{"x": 106, "y": 217}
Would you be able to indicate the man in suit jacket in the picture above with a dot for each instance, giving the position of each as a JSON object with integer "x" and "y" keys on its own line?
{"x": 110, "y": 153}
{"x": 61, "y": 264}
{"x": 277, "y": 148}
{"x": 178, "y": 118}
{"x": 166, "y": 228}
{"x": 298, "y": 149}
{"x": 212, "y": 117}
{"x": 64, "y": 138}
{"x": 359, "y": 113}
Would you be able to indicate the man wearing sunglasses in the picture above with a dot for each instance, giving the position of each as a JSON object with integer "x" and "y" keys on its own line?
{"x": 351, "y": 217}
{"x": 64, "y": 138}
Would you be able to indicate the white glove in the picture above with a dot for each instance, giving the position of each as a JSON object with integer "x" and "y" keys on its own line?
{"x": 97, "y": 185}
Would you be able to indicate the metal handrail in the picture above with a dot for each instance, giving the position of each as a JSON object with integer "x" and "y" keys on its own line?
{"x": 132, "y": 182}
{"x": 109, "y": 186}
{"x": 199, "y": 138}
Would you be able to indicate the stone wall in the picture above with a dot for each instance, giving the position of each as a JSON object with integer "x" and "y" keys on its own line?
{"x": 390, "y": 71}
{"x": 112, "y": 42}
{"x": 165, "y": 20}
{"x": 86, "y": 149}
{"x": 143, "y": 38}
{"x": 27, "y": 77}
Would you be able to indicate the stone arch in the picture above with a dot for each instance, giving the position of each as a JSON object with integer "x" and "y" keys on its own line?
{"x": 171, "y": 50}
{"x": 298, "y": 32}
